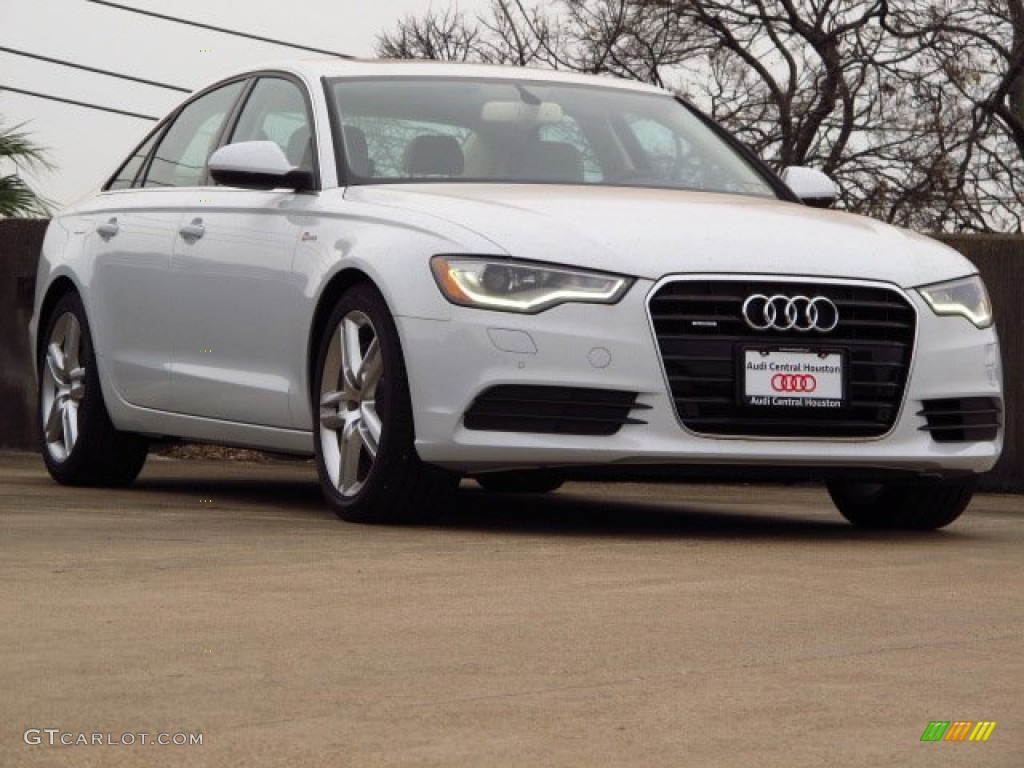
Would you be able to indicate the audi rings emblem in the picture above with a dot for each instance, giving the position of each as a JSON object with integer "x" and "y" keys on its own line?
{"x": 794, "y": 382}
{"x": 790, "y": 313}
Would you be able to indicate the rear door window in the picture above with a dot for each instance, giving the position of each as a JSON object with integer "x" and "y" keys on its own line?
{"x": 130, "y": 169}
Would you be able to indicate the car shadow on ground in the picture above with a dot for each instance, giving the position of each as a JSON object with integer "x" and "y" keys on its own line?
{"x": 299, "y": 496}
{"x": 569, "y": 512}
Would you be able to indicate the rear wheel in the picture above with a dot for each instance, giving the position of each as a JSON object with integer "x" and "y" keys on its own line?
{"x": 525, "y": 481}
{"x": 80, "y": 445}
{"x": 368, "y": 467}
{"x": 922, "y": 506}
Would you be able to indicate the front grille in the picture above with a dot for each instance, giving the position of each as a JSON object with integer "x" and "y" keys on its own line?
{"x": 701, "y": 335}
{"x": 962, "y": 419}
{"x": 552, "y": 410}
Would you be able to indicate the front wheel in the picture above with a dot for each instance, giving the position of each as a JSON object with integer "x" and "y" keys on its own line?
{"x": 368, "y": 467}
{"x": 922, "y": 506}
{"x": 79, "y": 443}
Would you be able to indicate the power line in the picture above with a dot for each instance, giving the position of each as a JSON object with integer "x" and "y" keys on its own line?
{"x": 106, "y": 72}
{"x": 219, "y": 29}
{"x": 48, "y": 97}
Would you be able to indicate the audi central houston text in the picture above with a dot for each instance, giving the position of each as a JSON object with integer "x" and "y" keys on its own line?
{"x": 423, "y": 272}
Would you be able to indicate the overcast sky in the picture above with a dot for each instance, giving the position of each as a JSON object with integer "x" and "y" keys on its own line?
{"x": 86, "y": 145}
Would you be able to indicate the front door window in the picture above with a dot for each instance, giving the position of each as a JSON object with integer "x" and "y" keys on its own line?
{"x": 180, "y": 159}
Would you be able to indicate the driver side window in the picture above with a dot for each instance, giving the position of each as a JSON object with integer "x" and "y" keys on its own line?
{"x": 180, "y": 158}
{"x": 276, "y": 111}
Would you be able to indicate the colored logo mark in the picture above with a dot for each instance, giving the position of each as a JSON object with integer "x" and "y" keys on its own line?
{"x": 958, "y": 730}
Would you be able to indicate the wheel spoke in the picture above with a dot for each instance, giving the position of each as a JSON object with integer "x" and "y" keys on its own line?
{"x": 72, "y": 409}
{"x": 351, "y": 356}
{"x": 72, "y": 339}
{"x": 369, "y": 430}
{"x": 331, "y": 399}
{"x": 67, "y": 429}
{"x": 351, "y": 450}
{"x": 54, "y": 422}
{"x": 371, "y": 368}
{"x": 55, "y": 364}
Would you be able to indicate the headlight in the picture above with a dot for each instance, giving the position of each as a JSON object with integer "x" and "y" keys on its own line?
{"x": 521, "y": 286}
{"x": 966, "y": 297}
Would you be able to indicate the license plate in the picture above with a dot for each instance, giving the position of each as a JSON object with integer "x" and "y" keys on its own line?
{"x": 778, "y": 378}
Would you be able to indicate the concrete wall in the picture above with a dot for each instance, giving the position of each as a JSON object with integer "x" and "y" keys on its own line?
{"x": 20, "y": 240}
{"x": 999, "y": 258}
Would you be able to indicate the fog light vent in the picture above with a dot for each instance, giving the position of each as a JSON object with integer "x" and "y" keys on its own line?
{"x": 552, "y": 410}
{"x": 962, "y": 419}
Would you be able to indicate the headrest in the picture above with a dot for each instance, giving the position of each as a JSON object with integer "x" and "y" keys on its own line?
{"x": 357, "y": 150}
{"x": 552, "y": 161}
{"x": 434, "y": 156}
{"x": 299, "y": 152}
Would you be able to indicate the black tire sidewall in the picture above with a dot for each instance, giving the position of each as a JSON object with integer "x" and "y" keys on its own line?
{"x": 923, "y": 506}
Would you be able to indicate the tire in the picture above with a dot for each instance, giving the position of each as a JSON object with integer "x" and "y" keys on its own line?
{"x": 365, "y": 455}
{"x": 921, "y": 506}
{"x": 79, "y": 444}
{"x": 524, "y": 481}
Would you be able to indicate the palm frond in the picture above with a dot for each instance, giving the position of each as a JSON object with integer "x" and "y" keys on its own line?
{"x": 17, "y": 146}
{"x": 17, "y": 198}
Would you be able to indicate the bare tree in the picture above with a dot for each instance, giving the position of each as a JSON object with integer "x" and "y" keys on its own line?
{"x": 915, "y": 106}
{"x": 975, "y": 53}
{"x": 983, "y": 43}
{"x": 443, "y": 36}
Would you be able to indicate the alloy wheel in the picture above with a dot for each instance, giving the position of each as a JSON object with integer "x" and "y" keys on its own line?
{"x": 350, "y": 424}
{"x": 63, "y": 387}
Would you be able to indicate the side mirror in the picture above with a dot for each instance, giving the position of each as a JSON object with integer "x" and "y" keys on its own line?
{"x": 810, "y": 185}
{"x": 257, "y": 165}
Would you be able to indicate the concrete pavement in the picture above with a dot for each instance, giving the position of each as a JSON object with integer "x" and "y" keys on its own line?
{"x": 603, "y": 625}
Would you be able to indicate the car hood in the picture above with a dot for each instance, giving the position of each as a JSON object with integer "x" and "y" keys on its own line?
{"x": 655, "y": 232}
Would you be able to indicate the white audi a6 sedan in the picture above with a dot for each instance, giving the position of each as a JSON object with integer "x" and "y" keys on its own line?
{"x": 420, "y": 272}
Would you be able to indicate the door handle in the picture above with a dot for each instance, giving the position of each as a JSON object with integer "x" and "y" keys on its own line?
{"x": 108, "y": 229}
{"x": 193, "y": 230}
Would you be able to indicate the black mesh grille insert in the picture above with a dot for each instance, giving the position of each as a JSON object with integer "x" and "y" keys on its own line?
{"x": 962, "y": 420}
{"x": 701, "y": 335}
{"x": 552, "y": 410}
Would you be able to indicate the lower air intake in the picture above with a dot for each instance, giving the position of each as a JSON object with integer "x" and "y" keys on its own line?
{"x": 962, "y": 420}
{"x": 552, "y": 410}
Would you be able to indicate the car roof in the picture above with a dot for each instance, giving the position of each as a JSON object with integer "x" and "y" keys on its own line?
{"x": 314, "y": 68}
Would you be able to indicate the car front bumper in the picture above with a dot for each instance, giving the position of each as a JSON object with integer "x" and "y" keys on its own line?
{"x": 450, "y": 363}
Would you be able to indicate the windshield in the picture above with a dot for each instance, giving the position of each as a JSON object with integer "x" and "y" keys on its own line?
{"x": 465, "y": 130}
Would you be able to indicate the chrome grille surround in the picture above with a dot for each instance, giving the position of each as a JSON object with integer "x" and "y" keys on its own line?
{"x": 700, "y": 333}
